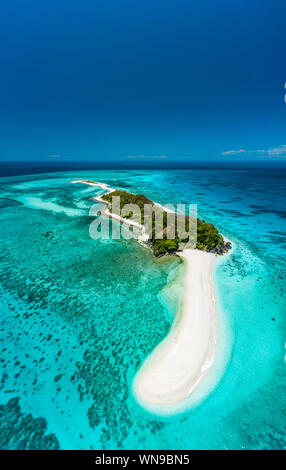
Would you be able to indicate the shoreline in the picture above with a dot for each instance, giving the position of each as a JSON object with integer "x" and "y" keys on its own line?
{"x": 175, "y": 367}
{"x": 169, "y": 376}
{"x": 143, "y": 238}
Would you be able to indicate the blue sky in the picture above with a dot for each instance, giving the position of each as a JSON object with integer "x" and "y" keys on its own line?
{"x": 125, "y": 80}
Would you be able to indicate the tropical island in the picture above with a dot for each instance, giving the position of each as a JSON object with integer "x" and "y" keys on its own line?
{"x": 208, "y": 237}
{"x": 166, "y": 381}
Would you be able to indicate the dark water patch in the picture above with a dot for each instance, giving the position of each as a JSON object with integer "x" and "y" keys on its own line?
{"x": 274, "y": 239}
{"x": 118, "y": 183}
{"x": 7, "y": 202}
{"x": 263, "y": 210}
{"x": 84, "y": 220}
{"x": 256, "y": 206}
{"x": 279, "y": 233}
{"x": 20, "y": 431}
{"x": 236, "y": 213}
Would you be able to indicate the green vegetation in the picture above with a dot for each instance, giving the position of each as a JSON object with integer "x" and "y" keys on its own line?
{"x": 128, "y": 198}
{"x": 161, "y": 247}
{"x": 208, "y": 237}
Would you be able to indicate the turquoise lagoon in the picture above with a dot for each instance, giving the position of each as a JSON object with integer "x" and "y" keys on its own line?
{"x": 78, "y": 316}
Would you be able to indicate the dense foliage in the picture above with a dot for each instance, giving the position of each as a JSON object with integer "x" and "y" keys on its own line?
{"x": 208, "y": 237}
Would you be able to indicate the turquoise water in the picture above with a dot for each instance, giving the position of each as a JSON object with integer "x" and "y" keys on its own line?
{"x": 78, "y": 316}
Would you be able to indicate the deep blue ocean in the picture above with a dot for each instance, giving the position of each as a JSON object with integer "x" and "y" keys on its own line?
{"x": 78, "y": 316}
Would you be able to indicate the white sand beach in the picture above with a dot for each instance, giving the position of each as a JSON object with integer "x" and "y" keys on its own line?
{"x": 173, "y": 370}
{"x": 142, "y": 235}
{"x": 175, "y": 367}
{"x": 93, "y": 183}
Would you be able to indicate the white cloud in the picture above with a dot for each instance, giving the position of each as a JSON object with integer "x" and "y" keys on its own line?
{"x": 279, "y": 151}
{"x": 233, "y": 152}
